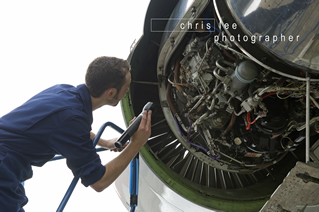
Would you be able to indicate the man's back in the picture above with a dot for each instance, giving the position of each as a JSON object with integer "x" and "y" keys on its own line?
{"x": 56, "y": 121}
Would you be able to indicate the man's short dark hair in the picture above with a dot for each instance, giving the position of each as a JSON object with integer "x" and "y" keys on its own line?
{"x": 104, "y": 73}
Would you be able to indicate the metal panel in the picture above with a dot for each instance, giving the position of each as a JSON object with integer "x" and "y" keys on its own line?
{"x": 287, "y": 28}
{"x": 294, "y": 191}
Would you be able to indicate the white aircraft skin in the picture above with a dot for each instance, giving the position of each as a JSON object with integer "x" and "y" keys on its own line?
{"x": 153, "y": 195}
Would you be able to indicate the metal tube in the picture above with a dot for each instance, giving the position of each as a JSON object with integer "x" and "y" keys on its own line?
{"x": 221, "y": 67}
{"x": 197, "y": 104}
{"x": 59, "y": 157}
{"x": 76, "y": 179}
{"x": 222, "y": 79}
{"x": 307, "y": 117}
{"x": 68, "y": 194}
{"x": 314, "y": 101}
{"x": 313, "y": 120}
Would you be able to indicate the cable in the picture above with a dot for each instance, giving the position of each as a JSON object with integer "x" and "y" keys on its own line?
{"x": 188, "y": 139}
{"x": 248, "y": 120}
{"x": 277, "y": 94}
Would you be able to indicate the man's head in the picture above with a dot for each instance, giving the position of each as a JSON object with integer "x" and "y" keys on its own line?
{"x": 106, "y": 74}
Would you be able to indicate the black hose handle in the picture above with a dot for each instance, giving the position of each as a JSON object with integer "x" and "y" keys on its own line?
{"x": 134, "y": 126}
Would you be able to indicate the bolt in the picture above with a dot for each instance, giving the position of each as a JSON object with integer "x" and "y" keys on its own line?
{"x": 193, "y": 11}
{"x": 172, "y": 41}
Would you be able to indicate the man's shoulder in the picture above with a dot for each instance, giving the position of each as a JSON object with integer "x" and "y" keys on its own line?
{"x": 61, "y": 101}
{"x": 58, "y": 95}
{"x": 56, "y": 89}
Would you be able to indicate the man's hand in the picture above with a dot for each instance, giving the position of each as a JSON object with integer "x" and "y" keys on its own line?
{"x": 118, "y": 149}
{"x": 116, "y": 166}
{"x": 109, "y": 144}
{"x": 144, "y": 130}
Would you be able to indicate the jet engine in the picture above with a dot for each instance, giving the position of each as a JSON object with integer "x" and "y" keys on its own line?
{"x": 236, "y": 84}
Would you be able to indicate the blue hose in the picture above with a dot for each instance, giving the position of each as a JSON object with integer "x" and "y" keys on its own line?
{"x": 132, "y": 208}
{"x": 134, "y": 174}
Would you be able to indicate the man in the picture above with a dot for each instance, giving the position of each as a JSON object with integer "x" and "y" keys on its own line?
{"x": 58, "y": 121}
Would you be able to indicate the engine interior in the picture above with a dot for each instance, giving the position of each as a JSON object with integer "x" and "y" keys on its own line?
{"x": 231, "y": 122}
{"x": 232, "y": 109}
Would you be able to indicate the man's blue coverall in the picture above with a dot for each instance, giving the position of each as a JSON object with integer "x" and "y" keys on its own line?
{"x": 56, "y": 121}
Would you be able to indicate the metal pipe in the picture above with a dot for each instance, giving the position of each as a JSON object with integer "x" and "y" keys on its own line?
{"x": 241, "y": 163}
{"x": 198, "y": 103}
{"x": 212, "y": 105}
{"x": 240, "y": 112}
{"x": 233, "y": 50}
{"x": 307, "y": 117}
{"x": 314, "y": 101}
{"x": 170, "y": 98}
{"x": 59, "y": 157}
{"x": 200, "y": 119}
{"x": 275, "y": 85}
{"x": 313, "y": 120}
{"x": 221, "y": 67}
{"x": 219, "y": 61}
{"x": 206, "y": 52}
{"x": 222, "y": 79}
{"x": 176, "y": 75}
{"x": 76, "y": 178}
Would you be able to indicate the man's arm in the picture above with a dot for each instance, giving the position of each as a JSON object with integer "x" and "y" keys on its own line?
{"x": 116, "y": 166}
{"x": 107, "y": 144}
